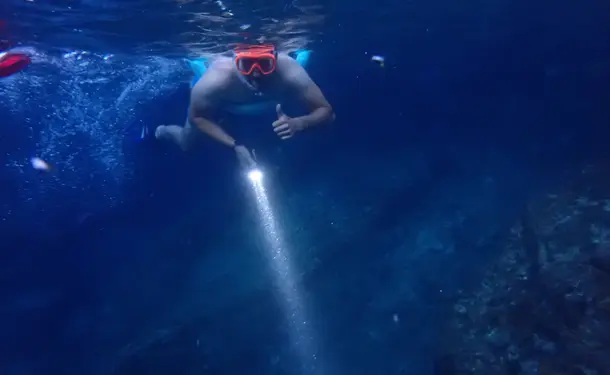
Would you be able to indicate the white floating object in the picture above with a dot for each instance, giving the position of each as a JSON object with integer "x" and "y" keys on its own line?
{"x": 379, "y": 60}
{"x": 39, "y": 164}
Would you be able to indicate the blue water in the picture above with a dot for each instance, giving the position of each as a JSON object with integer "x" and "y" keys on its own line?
{"x": 131, "y": 257}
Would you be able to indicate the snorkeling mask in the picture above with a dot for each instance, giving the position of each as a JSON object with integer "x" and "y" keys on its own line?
{"x": 260, "y": 57}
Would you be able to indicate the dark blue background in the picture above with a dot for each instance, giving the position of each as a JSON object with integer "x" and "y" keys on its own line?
{"x": 509, "y": 92}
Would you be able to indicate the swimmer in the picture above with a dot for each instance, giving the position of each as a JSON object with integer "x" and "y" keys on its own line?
{"x": 256, "y": 76}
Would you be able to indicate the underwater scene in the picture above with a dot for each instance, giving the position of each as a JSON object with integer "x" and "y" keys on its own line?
{"x": 304, "y": 187}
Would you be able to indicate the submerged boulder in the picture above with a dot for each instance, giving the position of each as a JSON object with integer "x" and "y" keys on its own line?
{"x": 543, "y": 306}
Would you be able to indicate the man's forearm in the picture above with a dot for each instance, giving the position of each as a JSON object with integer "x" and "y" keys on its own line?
{"x": 214, "y": 131}
{"x": 320, "y": 116}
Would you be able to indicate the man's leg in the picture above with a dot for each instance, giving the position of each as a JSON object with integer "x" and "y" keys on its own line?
{"x": 183, "y": 136}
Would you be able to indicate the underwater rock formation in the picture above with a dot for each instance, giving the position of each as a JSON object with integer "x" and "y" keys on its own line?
{"x": 543, "y": 307}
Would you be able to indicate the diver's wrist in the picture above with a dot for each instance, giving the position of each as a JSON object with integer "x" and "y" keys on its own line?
{"x": 303, "y": 122}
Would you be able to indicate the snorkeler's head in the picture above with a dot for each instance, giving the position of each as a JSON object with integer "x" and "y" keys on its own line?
{"x": 255, "y": 60}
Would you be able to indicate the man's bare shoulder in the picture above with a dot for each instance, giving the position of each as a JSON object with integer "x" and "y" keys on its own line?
{"x": 292, "y": 73}
{"x": 286, "y": 65}
{"x": 216, "y": 78}
{"x": 222, "y": 64}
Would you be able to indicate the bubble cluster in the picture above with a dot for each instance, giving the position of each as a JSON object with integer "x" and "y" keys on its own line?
{"x": 76, "y": 107}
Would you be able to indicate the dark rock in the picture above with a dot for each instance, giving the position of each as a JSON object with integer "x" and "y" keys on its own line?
{"x": 513, "y": 368}
{"x": 445, "y": 365}
{"x": 600, "y": 264}
{"x": 544, "y": 305}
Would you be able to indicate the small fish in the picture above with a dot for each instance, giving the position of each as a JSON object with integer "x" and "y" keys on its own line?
{"x": 228, "y": 13}
{"x": 39, "y": 164}
{"x": 245, "y": 26}
{"x": 379, "y": 60}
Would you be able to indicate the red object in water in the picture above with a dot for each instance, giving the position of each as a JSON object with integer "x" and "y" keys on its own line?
{"x": 11, "y": 63}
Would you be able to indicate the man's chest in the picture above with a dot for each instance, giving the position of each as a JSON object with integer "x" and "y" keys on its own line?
{"x": 241, "y": 93}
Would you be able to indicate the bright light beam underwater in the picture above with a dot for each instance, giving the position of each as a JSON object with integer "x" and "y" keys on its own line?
{"x": 279, "y": 260}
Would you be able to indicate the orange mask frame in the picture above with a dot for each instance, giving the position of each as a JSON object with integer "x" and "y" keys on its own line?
{"x": 250, "y": 57}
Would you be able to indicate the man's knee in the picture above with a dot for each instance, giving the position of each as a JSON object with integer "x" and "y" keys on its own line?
{"x": 188, "y": 137}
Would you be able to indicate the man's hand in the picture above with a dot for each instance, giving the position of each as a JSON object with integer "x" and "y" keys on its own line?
{"x": 244, "y": 157}
{"x": 285, "y": 127}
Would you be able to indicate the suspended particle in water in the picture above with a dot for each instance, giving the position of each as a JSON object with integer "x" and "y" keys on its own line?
{"x": 39, "y": 164}
{"x": 379, "y": 60}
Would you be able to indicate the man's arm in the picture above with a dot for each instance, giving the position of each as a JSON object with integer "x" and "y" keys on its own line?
{"x": 204, "y": 96}
{"x": 308, "y": 93}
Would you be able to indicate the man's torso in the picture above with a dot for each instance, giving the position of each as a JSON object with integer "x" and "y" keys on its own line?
{"x": 237, "y": 92}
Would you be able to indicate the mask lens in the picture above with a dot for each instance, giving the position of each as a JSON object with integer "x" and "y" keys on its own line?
{"x": 244, "y": 64}
{"x": 266, "y": 65}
